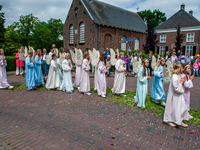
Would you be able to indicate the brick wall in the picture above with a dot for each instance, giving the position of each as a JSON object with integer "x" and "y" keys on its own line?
{"x": 91, "y": 32}
{"x": 170, "y": 40}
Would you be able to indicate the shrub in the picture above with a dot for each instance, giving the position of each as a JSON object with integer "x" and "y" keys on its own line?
{"x": 11, "y": 63}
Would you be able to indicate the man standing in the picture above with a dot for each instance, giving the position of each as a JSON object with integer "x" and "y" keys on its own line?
{"x": 63, "y": 53}
{"x": 107, "y": 52}
{"x": 44, "y": 62}
{"x": 139, "y": 54}
{"x": 178, "y": 54}
{"x": 130, "y": 56}
{"x": 108, "y": 62}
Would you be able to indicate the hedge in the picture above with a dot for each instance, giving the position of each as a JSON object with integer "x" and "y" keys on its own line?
{"x": 11, "y": 63}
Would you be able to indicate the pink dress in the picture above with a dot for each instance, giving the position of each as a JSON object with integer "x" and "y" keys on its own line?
{"x": 77, "y": 80}
{"x": 3, "y": 74}
{"x": 188, "y": 85}
{"x": 19, "y": 63}
{"x": 175, "y": 109}
{"x": 101, "y": 78}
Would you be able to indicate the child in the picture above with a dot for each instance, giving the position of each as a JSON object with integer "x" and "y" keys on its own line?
{"x": 85, "y": 77}
{"x": 53, "y": 80}
{"x": 59, "y": 68}
{"x": 67, "y": 77}
{"x": 19, "y": 64}
{"x": 157, "y": 92}
{"x": 38, "y": 67}
{"x": 108, "y": 62}
{"x": 3, "y": 74}
{"x": 175, "y": 109}
{"x": 101, "y": 78}
{"x": 196, "y": 66}
{"x": 142, "y": 84}
{"x": 126, "y": 59}
{"x": 120, "y": 79}
{"x": 188, "y": 84}
{"x": 31, "y": 77}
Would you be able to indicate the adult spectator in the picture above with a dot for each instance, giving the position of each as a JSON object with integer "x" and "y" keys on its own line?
{"x": 139, "y": 54}
{"x": 188, "y": 58}
{"x": 63, "y": 53}
{"x": 196, "y": 66}
{"x": 86, "y": 50}
{"x": 166, "y": 55}
{"x": 107, "y": 52}
{"x": 198, "y": 58}
{"x": 44, "y": 62}
{"x": 19, "y": 64}
{"x": 116, "y": 54}
{"x": 108, "y": 62}
{"x": 150, "y": 59}
{"x": 51, "y": 53}
{"x": 182, "y": 57}
{"x": 173, "y": 58}
{"x": 178, "y": 53}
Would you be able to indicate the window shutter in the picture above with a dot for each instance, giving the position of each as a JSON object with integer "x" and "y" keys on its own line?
{"x": 184, "y": 50}
{"x": 166, "y": 49}
{"x": 194, "y": 50}
{"x": 157, "y": 49}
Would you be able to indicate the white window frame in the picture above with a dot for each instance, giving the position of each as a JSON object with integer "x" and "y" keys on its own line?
{"x": 163, "y": 38}
{"x": 137, "y": 44}
{"x": 162, "y": 50}
{"x": 188, "y": 49}
{"x": 189, "y": 38}
{"x": 82, "y": 32}
{"x": 71, "y": 37}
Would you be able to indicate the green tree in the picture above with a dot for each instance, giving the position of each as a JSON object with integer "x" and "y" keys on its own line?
{"x": 179, "y": 39}
{"x": 25, "y": 27}
{"x": 154, "y": 18}
{"x": 12, "y": 41}
{"x": 56, "y": 28}
{"x": 2, "y": 28}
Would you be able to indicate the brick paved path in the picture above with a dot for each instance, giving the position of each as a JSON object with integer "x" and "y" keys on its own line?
{"x": 55, "y": 120}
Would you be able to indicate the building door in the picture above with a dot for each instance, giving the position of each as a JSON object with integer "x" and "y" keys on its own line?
{"x": 108, "y": 41}
{"x": 123, "y": 45}
{"x": 137, "y": 42}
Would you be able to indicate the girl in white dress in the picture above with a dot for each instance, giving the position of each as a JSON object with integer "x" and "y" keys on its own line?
{"x": 67, "y": 77}
{"x": 175, "y": 109}
{"x": 85, "y": 77}
{"x": 53, "y": 80}
{"x": 120, "y": 79}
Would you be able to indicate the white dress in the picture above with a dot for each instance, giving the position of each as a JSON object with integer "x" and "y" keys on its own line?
{"x": 85, "y": 78}
{"x": 53, "y": 80}
{"x": 120, "y": 79}
{"x": 175, "y": 109}
{"x": 67, "y": 77}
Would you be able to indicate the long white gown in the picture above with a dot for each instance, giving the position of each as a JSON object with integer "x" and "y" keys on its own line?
{"x": 85, "y": 78}
{"x": 175, "y": 109}
{"x": 120, "y": 79}
{"x": 67, "y": 77}
{"x": 53, "y": 80}
{"x": 101, "y": 78}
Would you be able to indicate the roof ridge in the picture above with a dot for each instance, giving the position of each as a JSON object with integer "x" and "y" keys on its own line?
{"x": 193, "y": 17}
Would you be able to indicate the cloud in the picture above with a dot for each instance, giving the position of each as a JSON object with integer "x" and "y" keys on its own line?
{"x": 58, "y": 9}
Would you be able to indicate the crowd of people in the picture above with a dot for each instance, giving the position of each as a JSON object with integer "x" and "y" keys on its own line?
{"x": 58, "y": 76}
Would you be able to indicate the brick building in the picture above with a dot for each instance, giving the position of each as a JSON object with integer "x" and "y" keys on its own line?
{"x": 94, "y": 24}
{"x": 190, "y": 28}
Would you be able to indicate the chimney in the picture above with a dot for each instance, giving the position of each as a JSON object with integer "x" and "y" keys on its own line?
{"x": 191, "y": 12}
{"x": 183, "y": 6}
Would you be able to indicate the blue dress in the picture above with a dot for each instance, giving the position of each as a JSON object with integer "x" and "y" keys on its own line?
{"x": 157, "y": 91}
{"x": 38, "y": 69}
{"x": 31, "y": 77}
{"x": 142, "y": 85}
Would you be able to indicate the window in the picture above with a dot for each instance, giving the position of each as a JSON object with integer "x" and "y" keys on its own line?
{"x": 82, "y": 33}
{"x": 71, "y": 28}
{"x": 162, "y": 50}
{"x": 137, "y": 42}
{"x": 163, "y": 38}
{"x": 189, "y": 49}
{"x": 123, "y": 44}
{"x": 190, "y": 37}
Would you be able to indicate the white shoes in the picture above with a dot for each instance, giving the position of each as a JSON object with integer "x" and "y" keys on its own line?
{"x": 88, "y": 93}
{"x": 184, "y": 125}
{"x": 163, "y": 103}
{"x": 190, "y": 117}
{"x": 58, "y": 89}
{"x": 123, "y": 95}
{"x": 171, "y": 124}
{"x": 10, "y": 87}
{"x": 104, "y": 96}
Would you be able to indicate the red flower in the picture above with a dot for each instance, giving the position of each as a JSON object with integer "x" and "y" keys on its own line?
{"x": 117, "y": 128}
{"x": 113, "y": 137}
{"x": 112, "y": 144}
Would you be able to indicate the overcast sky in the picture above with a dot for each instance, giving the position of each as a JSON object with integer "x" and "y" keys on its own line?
{"x": 58, "y": 9}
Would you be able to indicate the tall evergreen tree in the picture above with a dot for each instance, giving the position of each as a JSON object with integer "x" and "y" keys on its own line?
{"x": 150, "y": 39}
{"x": 2, "y": 28}
{"x": 179, "y": 39}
